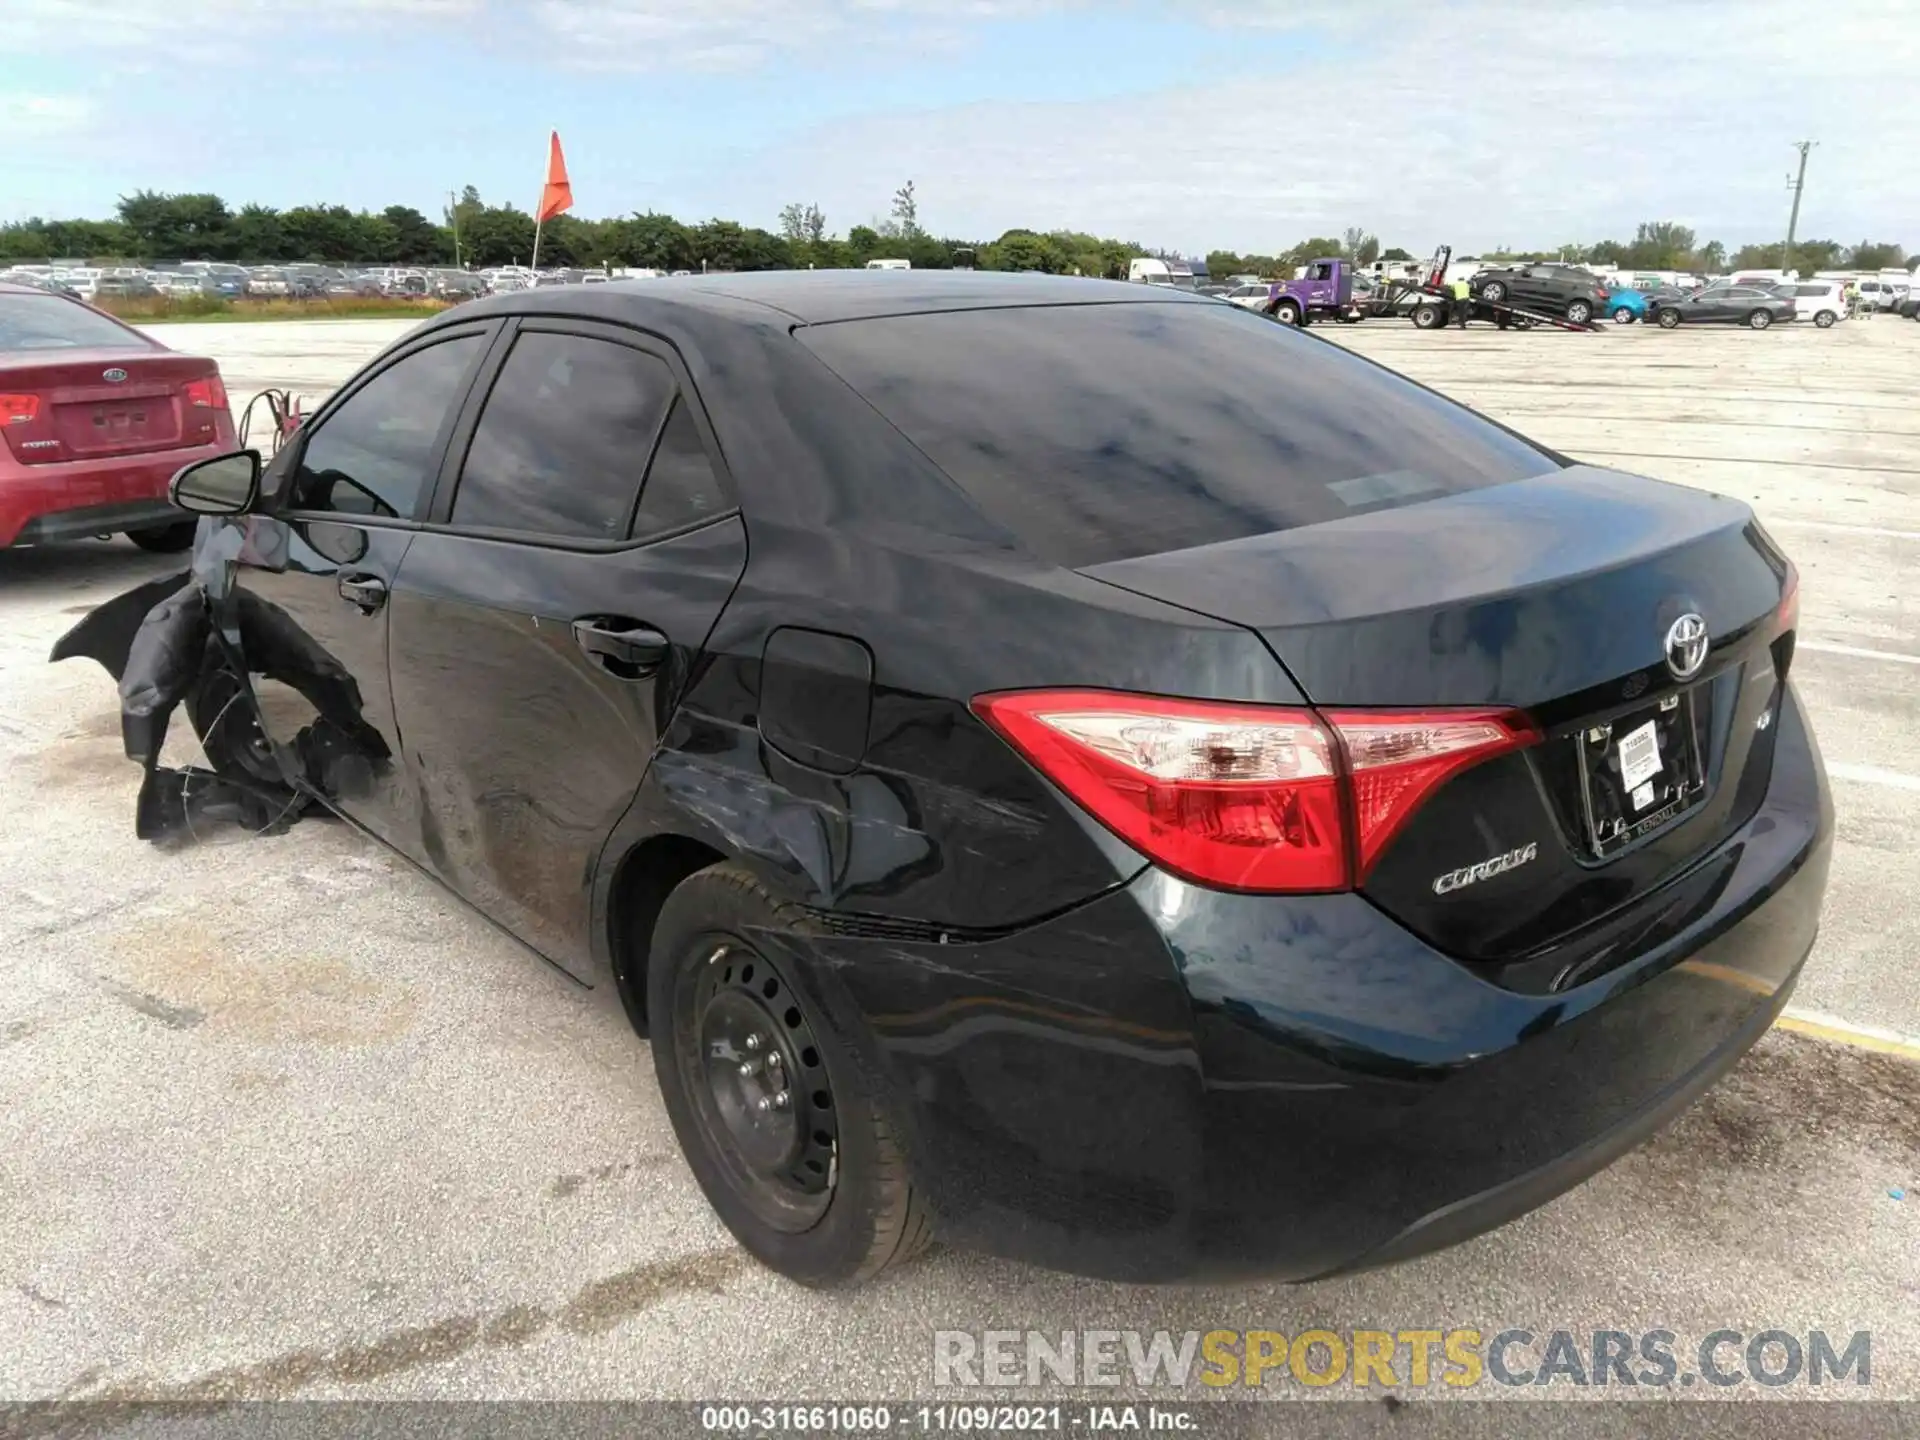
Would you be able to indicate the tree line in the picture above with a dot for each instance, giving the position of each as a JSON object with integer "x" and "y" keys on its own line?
{"x": 150, "y": 226}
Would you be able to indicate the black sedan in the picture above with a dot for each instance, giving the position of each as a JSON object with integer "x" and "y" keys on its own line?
{"x": 1722, "y": 305}
{"x": 1068, "y": 767}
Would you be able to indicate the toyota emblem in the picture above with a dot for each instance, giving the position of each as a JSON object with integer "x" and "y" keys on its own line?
{"x": 1686, "y": 646}
{"x": 113, "y": 376}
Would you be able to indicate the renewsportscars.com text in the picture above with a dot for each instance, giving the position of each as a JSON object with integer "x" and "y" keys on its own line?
{"x": 1458, "y": 1358}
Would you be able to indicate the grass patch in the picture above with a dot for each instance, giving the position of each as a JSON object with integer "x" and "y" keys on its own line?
{"x": 164, "y": 309}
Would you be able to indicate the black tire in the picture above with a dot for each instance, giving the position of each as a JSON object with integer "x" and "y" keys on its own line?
{"x": 1288, "y": 312}
{"x": 1759, "y": 320}
{"x": 1824, "y": 320}
{"x": 1493, "y": 292}
{"x": 1669, "y": 319}
{"x": 817, "y": 1188}
{"x": 1579, "y": 312}
{"x": 1429, "y": 317}
{"x": 1622, "y": 315}
{"x": 167, "y": 539}
{"x": 224, "y": 718}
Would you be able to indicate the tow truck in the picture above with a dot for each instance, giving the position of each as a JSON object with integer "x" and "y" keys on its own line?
{"x": 1432, "y": 305}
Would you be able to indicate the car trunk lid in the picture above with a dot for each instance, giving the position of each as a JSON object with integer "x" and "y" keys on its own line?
{"x": 90, "y": 404}
{"x": 1556, "y": 596}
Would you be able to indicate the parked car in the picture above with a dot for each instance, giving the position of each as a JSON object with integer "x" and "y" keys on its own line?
{"x": 1296, "y": 823}
{"x": 1565, "y": 290}
{"x": 270, "y": 281}
{"x": 353, "y": 287}
{"x": 37, "y": 281}
{"x": 1252, "y": 295}
{"x": 129, "y": 287}
{"x": 1724, "y": 305}
{"x": 1625, "y": 305}
{"x": 1823, "y": 302}
{"x": 96, "y": 419}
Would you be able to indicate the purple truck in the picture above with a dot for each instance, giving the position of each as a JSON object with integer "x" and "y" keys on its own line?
{"x": 1322, "y": 291}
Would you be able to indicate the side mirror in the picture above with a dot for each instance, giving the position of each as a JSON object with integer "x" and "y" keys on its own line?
{"x": 224, "y": 485}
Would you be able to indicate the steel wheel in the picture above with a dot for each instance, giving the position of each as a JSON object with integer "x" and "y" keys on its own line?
{"x": 1579, "y": 312}
{"x": 761, "y": 1095}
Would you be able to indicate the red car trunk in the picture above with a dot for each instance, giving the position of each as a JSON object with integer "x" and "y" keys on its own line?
{"x": 87, "y": 404}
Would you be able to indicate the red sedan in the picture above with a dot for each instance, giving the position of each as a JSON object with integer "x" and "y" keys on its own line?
{"x": 97, "y": 418}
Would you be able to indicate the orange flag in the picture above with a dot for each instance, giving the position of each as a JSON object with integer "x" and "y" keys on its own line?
{"x": 558, "y": 194}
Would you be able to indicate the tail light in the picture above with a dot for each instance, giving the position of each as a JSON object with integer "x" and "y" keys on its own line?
{"x": 1788, "y": 616}
{"x": 18, "y": 409}
{"x": 207, "y": 393}
{"x": 1247, "y": 797}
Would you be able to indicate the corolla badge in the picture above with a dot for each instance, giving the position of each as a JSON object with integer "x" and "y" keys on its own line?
{"x": 113, "y": 376}
{"x": 1472, "y": 874}
{"x": 1686, "y": 646}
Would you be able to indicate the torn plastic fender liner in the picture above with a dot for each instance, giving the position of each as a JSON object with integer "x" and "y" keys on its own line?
{"x": 159, "y": 642}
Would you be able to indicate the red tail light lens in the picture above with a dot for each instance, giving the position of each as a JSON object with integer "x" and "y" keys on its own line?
{"x": 207, "y": 393}
{"x": 18, "y": 409}
{"x": 1247, "y": 797}
{"x": 1789, "y": 612}
{"x": 1397, "y": 759}
{"x": 1242, "y": 797}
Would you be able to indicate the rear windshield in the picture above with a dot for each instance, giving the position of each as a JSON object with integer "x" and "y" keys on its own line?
{"x": 49, "y": 322}
{"x": 1102, "y": 432}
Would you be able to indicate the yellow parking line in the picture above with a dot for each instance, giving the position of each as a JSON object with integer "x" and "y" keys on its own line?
{"x": 1839, "y": 1032}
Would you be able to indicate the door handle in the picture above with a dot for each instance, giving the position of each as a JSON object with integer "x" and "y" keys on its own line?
{"x": 368, "y": 592}
{"x": 621, "y": 648}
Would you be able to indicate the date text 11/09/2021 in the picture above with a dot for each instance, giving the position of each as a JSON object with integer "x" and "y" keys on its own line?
{"x": 945, "y": 1419}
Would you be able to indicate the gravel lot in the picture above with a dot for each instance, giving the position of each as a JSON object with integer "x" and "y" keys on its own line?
{"x": 279, "y": 1117}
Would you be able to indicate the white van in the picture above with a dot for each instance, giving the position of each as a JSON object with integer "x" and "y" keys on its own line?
{"x": 1147, "y": 270}
{"x": 889, "y": 265}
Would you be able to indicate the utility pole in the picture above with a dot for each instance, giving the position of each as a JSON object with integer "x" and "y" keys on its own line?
{"x": 1793, "y": 219}
{"x": 453, "y": 214}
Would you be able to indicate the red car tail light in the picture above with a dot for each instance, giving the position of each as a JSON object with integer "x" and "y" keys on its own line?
{"x": 1788, "y": 616}
{"x": 1396, "y": 759}
{"x": 1247, "y": 797}
{"x": 18, "y": 409}
{"x": 207, "y": 393}
{"x": 1243, "y": 797}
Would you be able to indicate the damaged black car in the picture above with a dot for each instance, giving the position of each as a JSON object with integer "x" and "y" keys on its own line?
{"x": 1071, "y": 769}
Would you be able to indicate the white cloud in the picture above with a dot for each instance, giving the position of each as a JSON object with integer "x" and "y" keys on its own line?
{"x": 204, "y": 29}
{"x": 1479, "y": 124}
{"x": 34, "y": 117}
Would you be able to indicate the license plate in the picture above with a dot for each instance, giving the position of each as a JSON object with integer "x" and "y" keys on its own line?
{"x": 1639, "y": 773}
{"x": 118, "y": 422}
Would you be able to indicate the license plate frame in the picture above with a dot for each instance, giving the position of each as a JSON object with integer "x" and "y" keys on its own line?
{"x": 1611, "y": 820}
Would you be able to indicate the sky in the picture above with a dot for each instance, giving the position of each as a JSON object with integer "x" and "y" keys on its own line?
{"x": 1246, "y": 125}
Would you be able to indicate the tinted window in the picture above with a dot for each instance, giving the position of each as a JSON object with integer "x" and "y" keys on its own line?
{"x": 1101, "y": 432}
{"x": 680, "y": 488}
{"x": 564, "y": 438}
{"x": 49, "y": 322}
{"x": 371, "y": 456}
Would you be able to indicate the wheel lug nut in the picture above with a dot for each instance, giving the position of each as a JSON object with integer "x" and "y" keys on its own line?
{"x": 753, "y": 1042}
{"x": 746, "y": 1067}
{"x": 773, "y": 1059}
{"x": 762, "y": 1105}
{"x": 779, "y": 1100}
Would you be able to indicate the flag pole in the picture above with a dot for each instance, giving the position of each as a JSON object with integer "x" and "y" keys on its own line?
{"x": 538, "y": 206}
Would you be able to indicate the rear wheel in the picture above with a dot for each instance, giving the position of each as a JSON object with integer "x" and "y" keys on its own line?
{"x": 1669, "y": 319}
{"x": 1759, "y": 320}
{"x": 1493, "y": 291}
{"x": 1824, "y": 320}
{"x": 1579, "y": 312}
{"x": 778, "y": 1117}
{"x": 167, "y": 539}
{"x": 1429, "y": 317}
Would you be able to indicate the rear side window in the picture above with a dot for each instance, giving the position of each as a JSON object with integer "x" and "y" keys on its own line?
{"x": 51, "y": 322}
{"x": 680, "y": 489}
{"x": 563, "y": 441}
{"x": 1101, "y": 432}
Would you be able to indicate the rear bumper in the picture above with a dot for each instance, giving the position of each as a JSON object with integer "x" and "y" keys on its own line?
{"x": 1174, "y": 1084}
{"x": 74, "y": 499}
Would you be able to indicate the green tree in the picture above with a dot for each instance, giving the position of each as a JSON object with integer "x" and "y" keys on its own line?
{"x": 257, "y": 235}
{"x": 1020, "y": 250}
{"x": 905, "y": 212}
{"x": 176, "y": 227}
{"x": 1877, "y": 255}
{"x": 1711, "y": 256}
{"x": 1660, "y": 245}
{"x": 1395, "y": 253}
{"x": 498, "y": 235}
{"x": 417, "y": 240}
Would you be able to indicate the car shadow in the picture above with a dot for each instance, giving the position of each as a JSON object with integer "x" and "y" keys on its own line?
{"x": 81, "y": 565}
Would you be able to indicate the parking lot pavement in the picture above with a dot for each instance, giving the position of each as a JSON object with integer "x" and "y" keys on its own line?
{"x": 278, "y": 1117}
